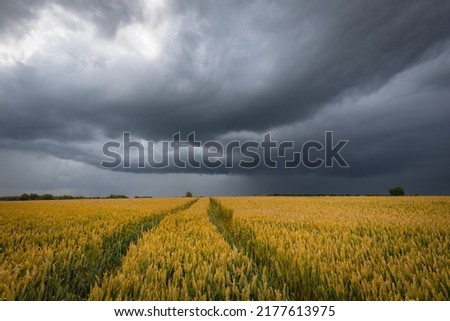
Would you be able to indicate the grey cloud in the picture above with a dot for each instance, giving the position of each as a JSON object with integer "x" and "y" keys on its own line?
{"x": 107, "y": 15}
{"x": 296, "y": 68}
{"x": 14, "y": 13}
{"x": 260, "y": 70}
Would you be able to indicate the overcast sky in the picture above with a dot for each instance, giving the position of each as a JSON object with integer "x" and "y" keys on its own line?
{"x": 77, "y": 73}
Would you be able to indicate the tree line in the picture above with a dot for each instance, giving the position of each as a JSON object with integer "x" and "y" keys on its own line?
{"x": 47, "y": 196}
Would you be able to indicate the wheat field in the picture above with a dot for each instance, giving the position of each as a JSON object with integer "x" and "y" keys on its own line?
{"x": 226, "y": 248}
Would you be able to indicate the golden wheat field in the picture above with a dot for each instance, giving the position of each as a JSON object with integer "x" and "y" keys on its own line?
{"x": 226, "y": 248}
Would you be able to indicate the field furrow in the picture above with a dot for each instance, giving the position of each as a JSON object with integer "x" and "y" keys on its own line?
{"x": 293, "y": 282}
{"x": 185, "y": 258}
{"x": 60, "y": 255}
{"x": 353, "y": 248}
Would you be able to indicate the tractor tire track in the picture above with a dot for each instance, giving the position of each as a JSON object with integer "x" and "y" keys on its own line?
{"x": 282, "y": 274}
{"x": 97, "y": 261}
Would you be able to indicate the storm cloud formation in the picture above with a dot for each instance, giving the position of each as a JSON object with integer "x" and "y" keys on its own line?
{"x": 74, "y": 74}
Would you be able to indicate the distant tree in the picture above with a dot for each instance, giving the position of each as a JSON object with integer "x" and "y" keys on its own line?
{"x": 188, "y": 194}
{"x": 117, "y": 196}
{"x": 24, "y": 197}
{"x": 34, "y": 196}
{"x": 47, "y": 197}
{"x": 396, "y": 191}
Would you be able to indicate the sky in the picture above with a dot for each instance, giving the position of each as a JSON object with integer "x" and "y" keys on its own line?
{"x": 77, "y": 74}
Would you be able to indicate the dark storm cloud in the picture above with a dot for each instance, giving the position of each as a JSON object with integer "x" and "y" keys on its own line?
{"x": 297, "y": 68}
{"x": 319, "y": 52}
{"x": 260, "y": 68}
{"x": 286, "y": 63}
